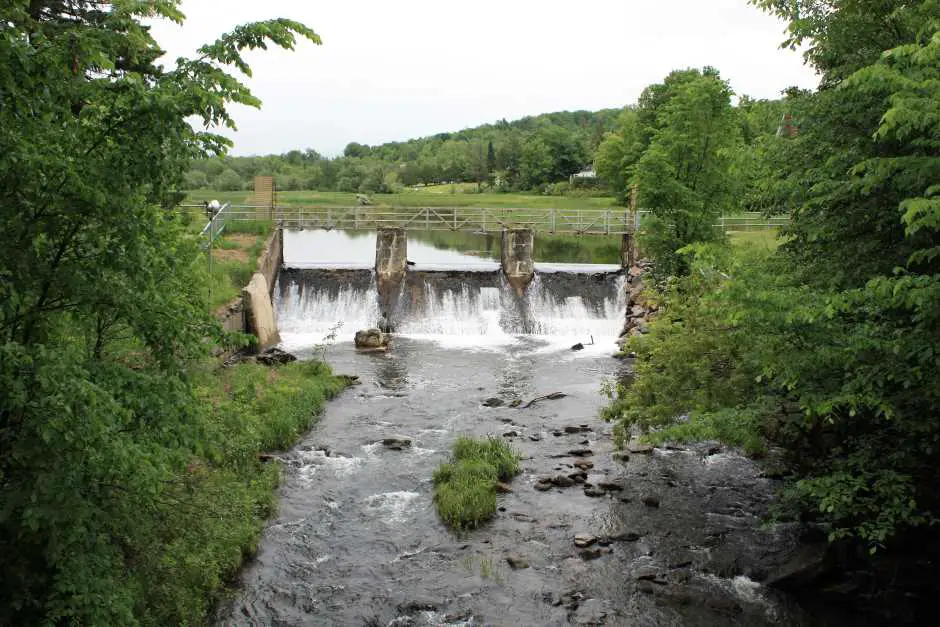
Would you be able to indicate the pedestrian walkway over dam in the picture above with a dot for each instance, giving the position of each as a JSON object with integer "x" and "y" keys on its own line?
{"x": 471, "y": 219}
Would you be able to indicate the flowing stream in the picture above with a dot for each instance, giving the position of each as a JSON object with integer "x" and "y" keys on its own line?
{"x": 357, "y": 540}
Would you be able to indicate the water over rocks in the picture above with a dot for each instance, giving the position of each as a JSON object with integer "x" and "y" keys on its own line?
{"x": 357, "y": 540}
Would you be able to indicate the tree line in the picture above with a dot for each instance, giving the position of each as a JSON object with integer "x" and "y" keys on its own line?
{"x": 530, "y": 153}
{"x": 536, "y": 153}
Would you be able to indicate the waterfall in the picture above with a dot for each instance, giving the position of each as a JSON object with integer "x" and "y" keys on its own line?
{"x": 474, "y": 306}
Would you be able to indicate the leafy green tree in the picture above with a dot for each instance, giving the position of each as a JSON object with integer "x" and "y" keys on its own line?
{"x": 229, "y": 181}
{"x": 196, "y": 179}
{"x": 535, "y": 163}
{"x": 355, "y": 150}
{"x": 102, "y": 308}
{"x": 683, "y": 175}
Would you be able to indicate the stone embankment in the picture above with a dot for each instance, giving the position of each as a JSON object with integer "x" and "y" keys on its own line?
{"x": 639, "y": 309}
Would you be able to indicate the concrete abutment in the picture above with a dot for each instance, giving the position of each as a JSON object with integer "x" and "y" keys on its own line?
{"x": 516, "y": 258}
{"x": 391, "y": 264}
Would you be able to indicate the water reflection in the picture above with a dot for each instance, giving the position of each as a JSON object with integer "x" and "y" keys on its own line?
{"x": 354, "y": 249}
{"x": 391, "y": 371}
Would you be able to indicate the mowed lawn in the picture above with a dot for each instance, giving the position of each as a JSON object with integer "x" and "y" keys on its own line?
{"x": 427, "y": 197}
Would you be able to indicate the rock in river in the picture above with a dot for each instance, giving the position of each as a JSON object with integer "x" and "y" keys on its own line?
{"x": 581, "y": 452}
{"x": 397, "y": 442}
{"x": 371, "y": 339}
{"x": 517, "y": 563}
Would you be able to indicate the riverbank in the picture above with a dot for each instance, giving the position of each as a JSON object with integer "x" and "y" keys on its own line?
{"x": 214, "y": 507}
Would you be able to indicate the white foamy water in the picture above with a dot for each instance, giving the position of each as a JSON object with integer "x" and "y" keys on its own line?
{"x": 464, "y": 313}
{"x": 391, "y": 507}
{"x": 306, "y": 315}
{"x": 315, "y": 462}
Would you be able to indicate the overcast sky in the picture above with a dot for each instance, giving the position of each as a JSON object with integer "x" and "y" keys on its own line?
{"x": 395, "y": 70}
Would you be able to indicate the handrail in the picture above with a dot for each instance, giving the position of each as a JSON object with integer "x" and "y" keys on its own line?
{"x": 611, "y": 221}
{"x": 216, "y": 225}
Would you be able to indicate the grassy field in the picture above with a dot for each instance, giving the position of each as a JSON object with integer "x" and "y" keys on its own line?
{"x": 234, "y": 260}
{"x": 766, "y": 238}
{"x": 426, "y": 197}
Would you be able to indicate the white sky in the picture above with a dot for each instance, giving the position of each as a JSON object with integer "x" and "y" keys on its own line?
{"x": 396, "y": 70}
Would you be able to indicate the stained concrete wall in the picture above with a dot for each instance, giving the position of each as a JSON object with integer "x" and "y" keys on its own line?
{"x": 259, "y": 312}
{"x": 627, "y": 250}
{"x": 272, "y": 258}
{"x": 391, "y": 265}
{"x": 516, "y": 257}
{"x": 238, "y": 315}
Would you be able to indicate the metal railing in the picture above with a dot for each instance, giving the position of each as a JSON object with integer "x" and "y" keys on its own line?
{"x": 216, "y": 224}
{"x": 751, "y": 221}
{"x": 474, "y": 219}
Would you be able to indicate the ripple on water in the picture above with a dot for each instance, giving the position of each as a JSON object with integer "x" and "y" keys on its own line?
{"x": 314, "y": 462}
{"x": 391, "y": 507}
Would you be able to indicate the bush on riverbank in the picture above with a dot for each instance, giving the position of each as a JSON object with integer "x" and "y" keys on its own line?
{"x": 465, "y": 488}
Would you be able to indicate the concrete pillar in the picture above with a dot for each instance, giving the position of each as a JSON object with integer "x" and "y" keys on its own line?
{"x": 516, "y": 258}
{"x": 627, "y": 250}
{"x": 391, "y": 264}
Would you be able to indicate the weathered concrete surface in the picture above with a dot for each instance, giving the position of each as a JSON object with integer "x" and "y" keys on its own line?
{"x": 272, "y": 257}
{"x": 627, "y": 250}
{"x": 237, "y": 315}
{"x": 391, "y": 265}
{"x": 516, "y": 258}
{"x": 259, "y": 313}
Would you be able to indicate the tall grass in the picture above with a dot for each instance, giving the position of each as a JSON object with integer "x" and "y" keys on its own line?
{"x": 465, "y": 488}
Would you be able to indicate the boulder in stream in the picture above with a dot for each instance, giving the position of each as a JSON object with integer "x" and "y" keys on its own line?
{"x": 397, "y": 442}
{"x": 372, "y": 339}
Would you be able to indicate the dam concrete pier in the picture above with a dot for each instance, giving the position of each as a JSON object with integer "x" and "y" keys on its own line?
{"x": 391, "y": 264}
{"x": 516, "y": 258}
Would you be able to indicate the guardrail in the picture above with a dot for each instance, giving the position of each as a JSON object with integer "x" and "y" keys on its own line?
{"x": 216, "y": 224}
{"x": 751, "y": 221}
{"x": 474, "y": 219}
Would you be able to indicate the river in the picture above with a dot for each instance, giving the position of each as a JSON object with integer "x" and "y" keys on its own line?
{"x": 674, "y": 536}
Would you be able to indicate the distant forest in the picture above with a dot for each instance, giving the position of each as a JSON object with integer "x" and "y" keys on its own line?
{"x": 536, "y": 153}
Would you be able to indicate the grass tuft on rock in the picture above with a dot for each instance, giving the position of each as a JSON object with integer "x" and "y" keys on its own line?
{"x": 465, "y": 488}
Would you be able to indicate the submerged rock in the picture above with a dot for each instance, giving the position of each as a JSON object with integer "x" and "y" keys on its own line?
{"x": 544, "y": 484}
{"x": 517, "y": 563}
{"x": 581, "y": 452}
{"x": 591, "y": 554}
{"x": 577, "y": 429}
{"x": 493, "y": 402}
{"x": 397, "y": 442}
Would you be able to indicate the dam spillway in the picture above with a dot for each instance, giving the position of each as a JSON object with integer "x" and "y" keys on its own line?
{"x": 473, "y": 304}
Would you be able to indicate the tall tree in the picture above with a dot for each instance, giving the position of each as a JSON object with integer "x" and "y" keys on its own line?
{"x": 100, "y": 301}
{"x": 683, "y": 175}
